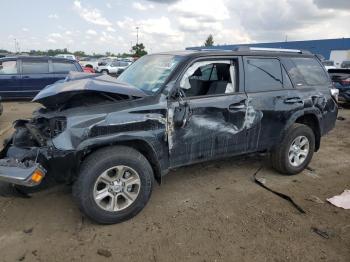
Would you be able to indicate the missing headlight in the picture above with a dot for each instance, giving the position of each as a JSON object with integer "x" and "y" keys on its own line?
{"x": 57, "y": 125}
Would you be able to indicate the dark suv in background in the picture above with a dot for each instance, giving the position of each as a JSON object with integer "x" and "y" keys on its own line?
{"x": 25, "y": 76}
{"x": 113, "y": 137}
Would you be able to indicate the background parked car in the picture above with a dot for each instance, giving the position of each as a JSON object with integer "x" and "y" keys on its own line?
{"x": 89, "y": 61}
{"x": 89, "y": 69}
{"x": 113, "y": 68}
{"x": 67, "y": 56}
{"x": 25, "y": 76}
{"x": 341, "y": 81}
{"x": 345, "y": 64}
{"x": 1, "y": 107}
{"x": 328, "y": 64}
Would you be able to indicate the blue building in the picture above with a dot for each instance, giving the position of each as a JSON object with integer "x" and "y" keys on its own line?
{"x": 322, "y": 46}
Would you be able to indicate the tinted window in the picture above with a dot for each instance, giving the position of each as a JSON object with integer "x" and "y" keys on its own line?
{"x": 8, "y": 67}
{"x": 262, "y": 74}
{"x": 35, "y": 67}
{"x": 63, "y": 66}
{"x": 307, "y": 71}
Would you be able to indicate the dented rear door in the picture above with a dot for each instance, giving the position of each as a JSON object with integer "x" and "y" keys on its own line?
{"x": 272, "y": 99}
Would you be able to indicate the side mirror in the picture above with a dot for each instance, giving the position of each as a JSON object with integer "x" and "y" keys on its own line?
{"x": 182, "y": 114}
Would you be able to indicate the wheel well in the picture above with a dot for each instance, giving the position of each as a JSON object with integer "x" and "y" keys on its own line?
{"x": 311, "y": 121}
{"x": 144, "y": 148}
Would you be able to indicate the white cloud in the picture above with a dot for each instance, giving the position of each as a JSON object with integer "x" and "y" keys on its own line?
{"x": 142, "y": 7}
{"x": 91, "y": 15}
{"x": 91, "y": 32}
{"x": 110, "y": 29}
{"x": 202, "y": 10}
{"x": 53, "y": 16}
{"x": 58, "y": 38}
{"x": 24, "y": 29}
{"x": 55, "y": 35}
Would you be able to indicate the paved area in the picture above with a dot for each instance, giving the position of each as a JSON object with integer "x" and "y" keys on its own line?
{"x": 206, "y": 212}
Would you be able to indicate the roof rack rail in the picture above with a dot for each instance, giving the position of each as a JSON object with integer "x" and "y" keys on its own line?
{"x": 214, "y": 49}
{"x": 252, "y": 48}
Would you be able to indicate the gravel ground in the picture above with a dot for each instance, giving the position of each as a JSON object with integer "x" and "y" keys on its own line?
{"x": 206, "y": 212}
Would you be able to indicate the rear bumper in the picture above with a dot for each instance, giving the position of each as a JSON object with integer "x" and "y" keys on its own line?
{"x": 18, "y": 173}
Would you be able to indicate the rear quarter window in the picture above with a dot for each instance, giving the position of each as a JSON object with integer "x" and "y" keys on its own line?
{"x": 262, "y": 74}
{"x": 307, "y": 71}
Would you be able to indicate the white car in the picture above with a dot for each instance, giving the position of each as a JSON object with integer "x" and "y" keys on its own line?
{"x": 115, "y": 67}
{"x": 328, "y": 64}
{"x": 89, "y": 61}
{"x": 67, "y": 56}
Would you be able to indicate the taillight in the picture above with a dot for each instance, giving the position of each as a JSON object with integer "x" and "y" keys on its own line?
{"x": 345, "y": 81}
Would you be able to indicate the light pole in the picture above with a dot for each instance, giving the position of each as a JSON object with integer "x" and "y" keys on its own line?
{"x": 137, "y": 35}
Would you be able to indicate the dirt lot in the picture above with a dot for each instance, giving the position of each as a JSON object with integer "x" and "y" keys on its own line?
{"x": 207, "y": 212}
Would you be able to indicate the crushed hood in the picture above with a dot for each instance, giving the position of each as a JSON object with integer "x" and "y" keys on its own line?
{"x": 76, "y": 82}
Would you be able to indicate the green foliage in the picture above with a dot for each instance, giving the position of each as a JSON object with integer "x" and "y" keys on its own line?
{"x": 209, "y": 41}
{"x": 80, "y": 53}
{"x": 138, "y": 50}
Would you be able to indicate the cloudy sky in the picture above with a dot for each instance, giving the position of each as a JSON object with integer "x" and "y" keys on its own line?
{"x": 100, "y": 26}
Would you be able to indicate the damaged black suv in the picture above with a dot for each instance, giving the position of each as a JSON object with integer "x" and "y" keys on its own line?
{"x": 111, "y": 138}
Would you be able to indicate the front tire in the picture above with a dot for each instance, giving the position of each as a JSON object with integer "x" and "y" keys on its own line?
{"x": 295, "y": 151}
{"x": 114, "y": 184}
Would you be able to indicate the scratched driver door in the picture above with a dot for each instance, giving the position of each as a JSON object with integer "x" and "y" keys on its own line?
{"x": 216, "y": 125}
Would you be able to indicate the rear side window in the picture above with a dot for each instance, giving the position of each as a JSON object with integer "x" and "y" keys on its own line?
{"x": 307, "y": 71}
{"x": 63, "y": 66}
{"x": 8, "y": 67}
{"x": 262, "y": 74}
{"x": 35, "y": 66}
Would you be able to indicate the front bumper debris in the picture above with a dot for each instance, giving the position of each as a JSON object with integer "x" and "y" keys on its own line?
{"x": 27, "y": 173}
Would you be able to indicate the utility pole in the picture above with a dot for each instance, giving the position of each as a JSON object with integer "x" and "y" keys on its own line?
{"x": 137, "y": 35}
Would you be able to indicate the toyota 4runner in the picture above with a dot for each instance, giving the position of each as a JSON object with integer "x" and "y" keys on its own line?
{"x": 112, "y": 138}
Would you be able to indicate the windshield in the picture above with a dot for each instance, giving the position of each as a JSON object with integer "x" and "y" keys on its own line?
{"x": 150, "y": 72}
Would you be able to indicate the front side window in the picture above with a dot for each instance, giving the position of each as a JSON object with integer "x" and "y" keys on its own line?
{"x": 209, "y": 78}
{"x": 35, "y": 67}
{"x": 262, "y": 74}
{"x": 63, "y": 67}
{"x": 307, "y": 71}
{"x": 150, "y": 72}
{"x": 8, "y": 67}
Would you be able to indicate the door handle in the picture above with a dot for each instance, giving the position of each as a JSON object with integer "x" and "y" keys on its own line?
{"x": 25, "y": 77}
{"x": 236, "y": 106}
{"x": 293, "y": 100}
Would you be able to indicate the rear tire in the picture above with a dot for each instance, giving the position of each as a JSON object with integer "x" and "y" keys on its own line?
{"x": 295, "y": 151}
{"x": 112, "y": 164}
{"x": 104, "y": 72}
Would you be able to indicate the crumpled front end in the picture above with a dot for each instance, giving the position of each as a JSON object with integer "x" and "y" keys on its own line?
{"x": 28, "y": 156}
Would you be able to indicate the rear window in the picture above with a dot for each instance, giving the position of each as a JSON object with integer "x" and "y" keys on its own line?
{"x": 262, "y": 74}
{"x": 307, "y": 71}
{"x": 63, "y": 66}
{"x": 35, "y": 66}
{"x": 8, "y": 67}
